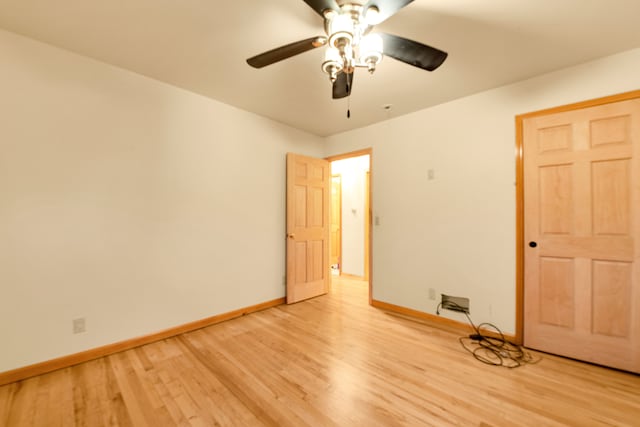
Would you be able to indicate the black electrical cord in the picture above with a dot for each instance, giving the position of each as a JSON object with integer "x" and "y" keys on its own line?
{"x": 490, "y": 350}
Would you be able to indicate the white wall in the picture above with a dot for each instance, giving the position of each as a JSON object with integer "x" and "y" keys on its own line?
{"x": 456, "y": 233}
{"x": 353, "y": 172}
{"x": 132, "y": 203}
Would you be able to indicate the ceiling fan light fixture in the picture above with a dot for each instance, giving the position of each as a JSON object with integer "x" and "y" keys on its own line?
{"x": 371, "y": 49}
{"x": 372, "y": 16}
{"x": 341, "y": 22}
{"x": 341, "y": 30}
{"x": 329, "y": 14}
{"x": 350, "y": 44}
{"x": 333, "y": 63}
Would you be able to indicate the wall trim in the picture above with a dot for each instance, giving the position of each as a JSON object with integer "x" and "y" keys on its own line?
{"x": 25, "y": 372}
{"x": 351, "y": 154}
{"x": 434, "y": 320}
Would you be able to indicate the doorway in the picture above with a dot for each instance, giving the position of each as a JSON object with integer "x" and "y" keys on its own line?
{"x": 351, "y": 221}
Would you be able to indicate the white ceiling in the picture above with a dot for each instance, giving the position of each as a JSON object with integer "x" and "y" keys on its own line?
{"x": 202, "y": 45}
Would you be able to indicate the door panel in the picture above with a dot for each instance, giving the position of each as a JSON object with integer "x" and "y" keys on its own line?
{"x": 556, "y": 291}
{"x": 308, "y": 184}
{"x": 556, "y": 202}
{"x": 611, "y": 298}
{"x": 611, "y": 180}
{"x": 582, "y": 209}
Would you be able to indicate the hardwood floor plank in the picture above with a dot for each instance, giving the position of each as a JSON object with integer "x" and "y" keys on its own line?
{"x": 329, "y": 361}
{"x": 58, "y": 411}
{"x": 243, "y": 386}
{"x": 22, "y": 410}
{"x": 264, "y": 366}
{"x": 210, "y": 396}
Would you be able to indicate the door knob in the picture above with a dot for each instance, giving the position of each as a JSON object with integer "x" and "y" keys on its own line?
{"x": 533, "y": 244}
{"x": 291, "y": 236}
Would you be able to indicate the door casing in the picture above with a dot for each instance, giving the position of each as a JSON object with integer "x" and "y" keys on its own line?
{"x": 368, "y": 220}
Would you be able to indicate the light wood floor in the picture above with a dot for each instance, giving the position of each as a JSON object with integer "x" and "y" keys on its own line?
{"x": 333, "y": 360}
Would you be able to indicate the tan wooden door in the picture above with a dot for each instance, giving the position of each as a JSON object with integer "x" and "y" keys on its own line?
{"x": 336, "y": 221}
{"x": 582, "y": 234}
{"x": 308, "y": 192}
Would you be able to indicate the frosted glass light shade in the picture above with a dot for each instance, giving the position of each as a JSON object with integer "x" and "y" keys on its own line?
{"x": 341, "y": 24}
{"x": 371, "y": 49}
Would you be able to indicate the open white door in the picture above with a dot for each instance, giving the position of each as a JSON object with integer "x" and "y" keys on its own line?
{"x": 308, "y": 227}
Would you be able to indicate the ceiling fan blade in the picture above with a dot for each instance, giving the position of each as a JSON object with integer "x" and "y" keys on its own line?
{"x": 342, "y": 86}
{"x": 386, "y": 8}
{"x": 284, "y": 52}
{"x": 321, "y": 5}
{"x": 413, "y": 53}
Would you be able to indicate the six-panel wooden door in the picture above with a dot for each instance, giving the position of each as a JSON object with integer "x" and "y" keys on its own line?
{"x": 582, "y": 234}
{"x": 308, "y": 226}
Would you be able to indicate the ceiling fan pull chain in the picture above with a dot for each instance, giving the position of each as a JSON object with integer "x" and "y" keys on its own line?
{"x": 348, "y": 104}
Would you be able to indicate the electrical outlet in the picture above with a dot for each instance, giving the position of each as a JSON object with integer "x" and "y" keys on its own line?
{"x": 79, "y": 325}
{"x": 460, "y": 304}
{"x": 432, "y": 294}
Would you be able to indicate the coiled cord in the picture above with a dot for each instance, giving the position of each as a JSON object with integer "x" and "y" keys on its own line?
{"x": 491, "y": 350}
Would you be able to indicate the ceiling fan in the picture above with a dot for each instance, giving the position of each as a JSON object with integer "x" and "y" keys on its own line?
{"x": 350, "y": 42}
